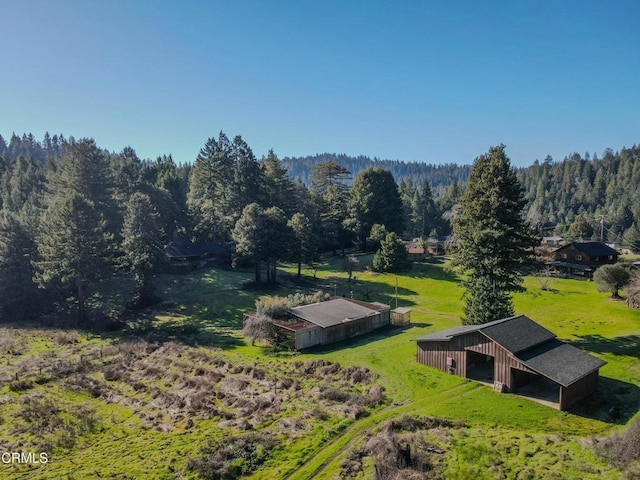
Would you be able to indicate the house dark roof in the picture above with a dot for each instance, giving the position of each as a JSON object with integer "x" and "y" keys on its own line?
{"x": 513, "y": 333}
{"x": 561, "y": 362}
{"x": 196, "y": 250}
{"x": 334, "y": 312}
{"x": 592, "y": 249}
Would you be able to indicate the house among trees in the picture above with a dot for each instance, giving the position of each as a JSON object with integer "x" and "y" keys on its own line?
{"x": 332, "y": 321}
{"x": 183, "y": 253}
{"x": 514, "y": 354}
{"x": 553, "y": 241}
{"x": 582, "y": 258}
{"x": 416, "y": 254}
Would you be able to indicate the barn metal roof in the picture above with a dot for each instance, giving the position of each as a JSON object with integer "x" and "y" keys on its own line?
{"x": 333, "y": 312}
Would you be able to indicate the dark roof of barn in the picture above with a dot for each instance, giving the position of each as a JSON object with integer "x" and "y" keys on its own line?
{"x": 513, "y": 333}
{"x": 334, "y": 312}
{"x": 517, "y": 333}
{"x": 533, "y": 345}
{"x": 561, "y": 362}
{"x": 592, "y": 249}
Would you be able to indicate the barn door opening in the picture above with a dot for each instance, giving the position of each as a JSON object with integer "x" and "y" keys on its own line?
{"x": 480, "y": 367}
{"x": 534, "y": 386}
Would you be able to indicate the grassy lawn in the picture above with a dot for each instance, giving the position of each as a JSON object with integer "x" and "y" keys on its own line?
{"x": 202, "y": 312}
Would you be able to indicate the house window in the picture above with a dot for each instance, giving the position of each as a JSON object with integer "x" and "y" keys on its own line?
{"x": 564, "y": 255}
{"x": 597, "y": 259}
{"x": 578, "y": 257}
{"x": 610, "y": 257}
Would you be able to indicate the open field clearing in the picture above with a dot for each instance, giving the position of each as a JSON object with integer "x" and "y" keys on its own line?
{"x": 180, "y": 394}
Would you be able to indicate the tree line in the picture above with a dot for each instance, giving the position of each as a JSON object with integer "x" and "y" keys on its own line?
{"x": 581, "y": 196}
{"x": 73, "y": 214}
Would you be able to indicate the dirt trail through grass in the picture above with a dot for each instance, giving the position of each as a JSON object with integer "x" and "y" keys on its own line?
{"x": 325, "y": 456}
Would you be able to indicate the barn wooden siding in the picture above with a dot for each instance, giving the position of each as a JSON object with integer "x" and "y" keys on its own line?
{"x": 450, "y": 356}
{"x": 310, "y": 337}
{"x": 578, "y": 390}
{"x": 352, "y": 328}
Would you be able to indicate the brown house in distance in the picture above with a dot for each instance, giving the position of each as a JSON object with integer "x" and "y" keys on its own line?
{"x": 517, "y": 355}
{"x": 583, "y": 258}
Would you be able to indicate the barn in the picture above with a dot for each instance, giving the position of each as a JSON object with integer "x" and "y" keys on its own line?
{"x": 517, "y": 355}
{"x": 332, "y": 321}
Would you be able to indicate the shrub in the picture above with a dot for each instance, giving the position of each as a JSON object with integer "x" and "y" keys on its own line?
{"x": 623, "y": 448}
{"x": 20, "y": 385}
{"x": 272, "y": 307}
{"x": 261, "y": 328}
{"x": 231, "y": 458}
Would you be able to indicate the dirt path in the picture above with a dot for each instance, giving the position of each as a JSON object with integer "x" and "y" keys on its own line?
{"x": 356, "y": 431}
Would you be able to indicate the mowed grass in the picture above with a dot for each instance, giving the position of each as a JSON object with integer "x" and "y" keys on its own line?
{"x": 204, "y": 310}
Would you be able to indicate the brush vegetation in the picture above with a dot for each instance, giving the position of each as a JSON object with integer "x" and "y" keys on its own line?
{"x": 179, "y": 393}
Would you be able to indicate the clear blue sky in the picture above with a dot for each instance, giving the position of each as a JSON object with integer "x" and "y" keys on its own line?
{"x": 433, "y": 81}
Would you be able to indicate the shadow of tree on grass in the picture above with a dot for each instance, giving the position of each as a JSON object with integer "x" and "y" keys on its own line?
{"x": 624, "y": 345}
{"x": 611, "y": 393}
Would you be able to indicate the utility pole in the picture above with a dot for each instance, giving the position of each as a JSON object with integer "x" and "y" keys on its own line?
{"x": 396, "y": 291}
{"x": 602, "y": 228}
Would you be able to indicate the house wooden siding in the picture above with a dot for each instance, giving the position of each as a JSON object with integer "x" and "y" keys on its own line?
{"x": 571, "y": 254}
{"x": 437, "y": 354}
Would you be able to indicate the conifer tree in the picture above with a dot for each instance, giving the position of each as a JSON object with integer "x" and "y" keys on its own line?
{"x": 210, "y": 178}
{"x": 330, "y": 191}
{"x": 16, "y": 272}
{"x": 303, "y": 246}
{"x": 392, "y": 255}
{"x": 142, "y": 245}
{"x": 374, "y": 198}
{"x": 493, "y": 241}
{"x": 279, "y": 189}
{"x": 248, "y": 234}
{"x": 73, "y": 247}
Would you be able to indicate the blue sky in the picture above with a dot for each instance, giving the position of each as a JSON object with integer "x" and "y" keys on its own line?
{"x": 432, "y": 81}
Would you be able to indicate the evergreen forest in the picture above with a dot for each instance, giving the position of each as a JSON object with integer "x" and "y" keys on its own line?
{"x": 73, "y": 214}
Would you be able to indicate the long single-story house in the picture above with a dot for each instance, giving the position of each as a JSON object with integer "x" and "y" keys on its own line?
{"x": 514, "y": 354}
{"x": 332, "y": 321}
{"x": 182, "y": 253}
{"x": 583, "y": 258}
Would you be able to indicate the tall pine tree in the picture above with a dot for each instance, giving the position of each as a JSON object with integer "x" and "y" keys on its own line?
{"x": 493, "y": 241}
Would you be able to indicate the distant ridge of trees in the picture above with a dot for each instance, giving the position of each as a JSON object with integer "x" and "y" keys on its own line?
{"x": 439, "y": 176}
{"x": 605, "y": 191}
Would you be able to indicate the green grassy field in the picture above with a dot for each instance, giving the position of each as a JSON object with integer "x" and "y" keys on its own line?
{"x": 146, "y": 408}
